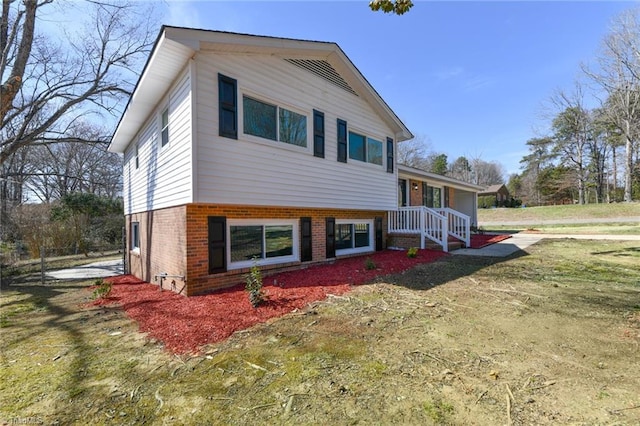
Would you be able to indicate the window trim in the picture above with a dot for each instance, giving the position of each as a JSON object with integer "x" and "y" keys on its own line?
{"x": 357, "y": 250}
{"x": 308, "y": 147}
{"x": 135, "y": 237}
{"x": 294, "y": 257}
{"x": 367, "y": 138}
{"x": 163, "y": 143}
{"x": 136, "y": 155}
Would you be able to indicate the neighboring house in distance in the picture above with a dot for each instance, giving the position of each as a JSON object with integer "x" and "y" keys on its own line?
{"x": 242, "y": 149}
{"x": 494, "y": 196}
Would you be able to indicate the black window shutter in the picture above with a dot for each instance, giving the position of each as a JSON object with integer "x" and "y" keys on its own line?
{"x": 228, "y": 106}
{"x": 306, "y": 247}
{"x": 390, "y": 157}
{"x": 331, "y": 238}
{"x": 378, "y": 233}
{"x": 217, "y": 244}
{"x": 342, "y": 141}
{"x": 318, "y": 134}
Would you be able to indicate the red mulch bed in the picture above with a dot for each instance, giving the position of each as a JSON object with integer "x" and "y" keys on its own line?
{"x": 184, "y": 324}
{"x": 483, "y": 240}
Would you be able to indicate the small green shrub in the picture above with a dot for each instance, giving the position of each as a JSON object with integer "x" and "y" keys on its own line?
{"x": 369, "y": 264}
{"x": 254, "y": 286}
{"x": 412, "y": 252}
{"x": 102, "y": 290}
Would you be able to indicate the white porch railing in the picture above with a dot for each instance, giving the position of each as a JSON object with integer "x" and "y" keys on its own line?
{"x": 421, "y": 220}
{"x": 459, "y": 225}
{"x": 434, "y": 224}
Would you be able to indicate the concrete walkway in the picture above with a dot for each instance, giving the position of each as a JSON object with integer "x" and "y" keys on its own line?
{"x": 106, "y": 268}
{"x": 521, "y": 241}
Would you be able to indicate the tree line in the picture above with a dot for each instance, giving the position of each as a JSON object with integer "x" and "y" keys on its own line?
{"x": 62, "y": 90}
{"x": 418, "y": 153}
{"x": 591, "y": 154}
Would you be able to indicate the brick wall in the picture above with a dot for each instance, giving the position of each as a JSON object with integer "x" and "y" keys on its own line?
{"x": 404, "y": 241}
{"x": 178, "y": 242}
{"x": 163, "y": 243}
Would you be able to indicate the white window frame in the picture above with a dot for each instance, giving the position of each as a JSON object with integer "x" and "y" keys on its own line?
{"x": 270, "y": 142}
{"x": 357, "y": 250}
{"x": 367, "y": 137}
{"x": 162, "y": 128}
{"x": 135, "y": 232}
{"x": 295, "y": 257}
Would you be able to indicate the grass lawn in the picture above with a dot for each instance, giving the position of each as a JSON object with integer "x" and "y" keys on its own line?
{"x": 547, "y": 213}
{"x": 550, "y": 336}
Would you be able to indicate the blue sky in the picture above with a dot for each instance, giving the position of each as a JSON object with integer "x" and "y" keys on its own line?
{"x": 471, "y": 77}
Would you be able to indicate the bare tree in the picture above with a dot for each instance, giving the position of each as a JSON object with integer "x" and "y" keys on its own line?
{"x": 416, "y": 153}
{"x": 618, "y": 75}
{"x": 52, "y": 80}
{"x": 487, "y": 173}
{"x": 66, "y": 167}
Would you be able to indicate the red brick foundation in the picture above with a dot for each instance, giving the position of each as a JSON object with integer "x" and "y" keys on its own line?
{"x": 175, "y": 241}
{"x": 404, "y": 241}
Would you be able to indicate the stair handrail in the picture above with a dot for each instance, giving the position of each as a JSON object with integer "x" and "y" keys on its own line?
{"x": 426, "y": 222}
{"x": 436, "y": 225}
{"x": 459, "y": 225}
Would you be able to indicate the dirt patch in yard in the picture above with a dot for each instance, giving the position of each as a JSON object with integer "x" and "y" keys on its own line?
{"x": 551, "y": 336}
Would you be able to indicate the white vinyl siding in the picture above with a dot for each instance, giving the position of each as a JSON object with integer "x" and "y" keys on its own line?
{"x": 245, "y": 171}
{"x": 163, "y": 177}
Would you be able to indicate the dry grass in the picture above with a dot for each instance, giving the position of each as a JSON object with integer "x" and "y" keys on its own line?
{"x": 555, "y": 332}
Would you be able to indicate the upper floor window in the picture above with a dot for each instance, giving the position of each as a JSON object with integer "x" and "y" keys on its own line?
{"x": 365, "y": 149}
{"x": 272, "y": 122}
{"x": 165, "y": 126}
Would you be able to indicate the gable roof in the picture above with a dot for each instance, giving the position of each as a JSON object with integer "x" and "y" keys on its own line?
{"x": 493, "y": 189}
{"x": 176, "y": 45}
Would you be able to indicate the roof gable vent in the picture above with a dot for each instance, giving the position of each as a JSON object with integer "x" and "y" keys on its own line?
{"x": 323, "y": 69}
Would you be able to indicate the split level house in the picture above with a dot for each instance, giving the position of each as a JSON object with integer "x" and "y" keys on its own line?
{"x": 242, "y": 150}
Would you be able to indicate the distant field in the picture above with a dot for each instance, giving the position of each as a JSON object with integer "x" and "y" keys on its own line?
{"x": 548, "y": 213}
